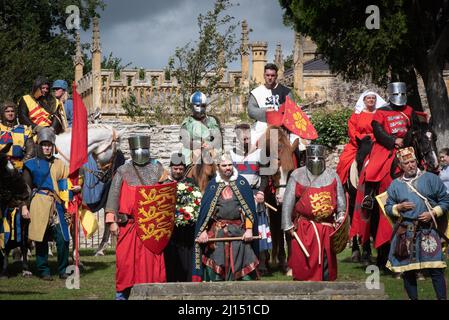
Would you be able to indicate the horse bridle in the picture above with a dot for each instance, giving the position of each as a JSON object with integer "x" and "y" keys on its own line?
{"x": 421, "y": 154}
{"x": 108, "y": 166}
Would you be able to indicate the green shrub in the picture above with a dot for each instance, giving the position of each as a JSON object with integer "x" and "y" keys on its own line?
{"x": 332, "y": 126}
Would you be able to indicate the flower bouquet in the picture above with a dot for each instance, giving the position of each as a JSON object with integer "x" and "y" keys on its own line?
{"x": 187, "y": 204}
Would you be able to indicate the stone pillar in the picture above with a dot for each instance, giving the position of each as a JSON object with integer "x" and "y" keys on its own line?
{"x": 279, "y": 61}
{"x": 96, "y": 66}
{"x": 298, "y": 66}
{"x": 259, "y": 50}
{"x": 78, "y": 61}
{"x": 244, "y": 51}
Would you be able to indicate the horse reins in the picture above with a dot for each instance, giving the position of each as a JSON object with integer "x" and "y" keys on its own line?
{"x": 105, "y": 167}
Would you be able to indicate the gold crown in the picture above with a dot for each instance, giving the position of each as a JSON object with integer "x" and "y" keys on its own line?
{"x": 406, "y": 154}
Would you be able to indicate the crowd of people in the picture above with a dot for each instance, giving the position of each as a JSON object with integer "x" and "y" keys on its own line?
{"x": 255, "y": 198}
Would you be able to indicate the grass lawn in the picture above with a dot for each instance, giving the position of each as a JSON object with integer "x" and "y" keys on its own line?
{"x": 97, "y": 280}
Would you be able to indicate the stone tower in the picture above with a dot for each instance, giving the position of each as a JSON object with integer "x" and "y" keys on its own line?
{"x": 279, "y": 61}
{"x": 259, "y": 50}
{"x": 298, "y": 65}
{"x": 78, "y": 61}
{"x": 244, "y": 52}
{"x": 96, "y": 66}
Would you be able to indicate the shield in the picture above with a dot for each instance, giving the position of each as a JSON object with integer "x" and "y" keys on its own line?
{"x": 339, "y": 237}
{"x": 155, "y": 215}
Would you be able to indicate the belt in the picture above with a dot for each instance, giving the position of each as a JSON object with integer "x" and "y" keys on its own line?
{"x": 320, "y": 222}
{"x": 223, "y": 223}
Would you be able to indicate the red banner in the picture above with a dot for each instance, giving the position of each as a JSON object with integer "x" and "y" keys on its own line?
{"x": 297, "y": 122}
{"x": 78, "y": 153}
{"x": 155, "y": 215}
{"x": 275, "y": 118}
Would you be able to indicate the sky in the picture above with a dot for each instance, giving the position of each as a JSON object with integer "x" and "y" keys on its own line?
{"x": 146, "y": 33}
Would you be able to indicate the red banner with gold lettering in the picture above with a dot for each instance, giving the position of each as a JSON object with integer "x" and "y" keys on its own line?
{"x": 155, "y": 215}
{"x": 297, "y": 122}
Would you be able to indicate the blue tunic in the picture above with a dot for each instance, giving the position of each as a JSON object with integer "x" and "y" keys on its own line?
{"x": 42, "y": 180}
{"x": 425, "y": 244}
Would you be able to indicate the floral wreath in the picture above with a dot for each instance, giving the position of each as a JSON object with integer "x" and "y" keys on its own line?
{"x": 188, "y": 200}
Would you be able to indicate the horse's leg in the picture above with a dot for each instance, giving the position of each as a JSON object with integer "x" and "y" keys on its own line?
{"x": 4, "y": 261}
{"x": 104, "y": 242}
{"x": 352, "y": 191}
{"x": 274, "y": 236}
{"x": 281, "y": 254}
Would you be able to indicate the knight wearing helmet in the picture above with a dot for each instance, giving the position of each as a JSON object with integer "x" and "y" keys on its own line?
{"x": 314, "y": 208}
{"x": 200, "y": 133}
{"x": 134, "y": 261}
{"x": 392, "y": 125}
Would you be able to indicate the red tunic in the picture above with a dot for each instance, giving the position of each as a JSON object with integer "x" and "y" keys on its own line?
{"x": 395, "y": 123}
{"x": 359, "y": 126}
{"x": 135, "y": 263}
{"x": 315, "y": 206}
{"x": 378, "y": 169}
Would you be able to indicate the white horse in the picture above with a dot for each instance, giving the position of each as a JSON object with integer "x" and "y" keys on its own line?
{"x": 102, "y": 141}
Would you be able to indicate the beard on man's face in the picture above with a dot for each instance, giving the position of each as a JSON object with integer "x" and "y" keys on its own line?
{"x": 226, "y": 172}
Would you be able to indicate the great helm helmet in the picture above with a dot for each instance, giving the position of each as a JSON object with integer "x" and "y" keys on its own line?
{"x": 198, "y": 100}
{"x": 140, "y": 149}
{"x": 315, "y": 159}
{"x": 397, "y": 93}
{"x": 46, "y": 134}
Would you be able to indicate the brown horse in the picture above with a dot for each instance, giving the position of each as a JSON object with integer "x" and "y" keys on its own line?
{"x": 279, "y": 156}
{"x": 202, "y": 169}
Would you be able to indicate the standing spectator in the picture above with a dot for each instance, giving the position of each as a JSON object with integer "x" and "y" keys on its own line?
{"x": 60, "y": 92}
{"x": 444, "y": 162}
{"x": 416, "y": 201}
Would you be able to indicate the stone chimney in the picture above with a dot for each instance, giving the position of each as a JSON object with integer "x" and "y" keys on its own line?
{"x": 259, "y": 50}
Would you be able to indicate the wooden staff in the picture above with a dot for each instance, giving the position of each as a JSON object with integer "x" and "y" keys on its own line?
{"x": 231, "y": 239}
{"x": 269, "y": 206}
{"x": 301, "y": 244}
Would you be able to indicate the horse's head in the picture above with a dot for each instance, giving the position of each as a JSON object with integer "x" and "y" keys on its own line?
{"x": 103, "y": 144}
{"x": 424, "y": 142}
{"x": 277, "y": 149}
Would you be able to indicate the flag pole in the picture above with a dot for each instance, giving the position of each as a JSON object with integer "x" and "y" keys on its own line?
{"x": 78, "y": 157}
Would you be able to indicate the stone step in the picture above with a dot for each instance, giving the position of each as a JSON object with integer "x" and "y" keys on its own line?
{"x": 257, "y": 290}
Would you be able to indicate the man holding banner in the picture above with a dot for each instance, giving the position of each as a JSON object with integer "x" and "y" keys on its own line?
{"x": 142, "y": 212}
{"x": 266, "y": 98}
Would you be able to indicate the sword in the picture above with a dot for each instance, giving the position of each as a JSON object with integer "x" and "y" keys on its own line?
{"x": 301, "y": 244}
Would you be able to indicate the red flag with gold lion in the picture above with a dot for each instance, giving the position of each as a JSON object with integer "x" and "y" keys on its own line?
{"x": 155, "y": 215}
{"x": 297, "y": 122}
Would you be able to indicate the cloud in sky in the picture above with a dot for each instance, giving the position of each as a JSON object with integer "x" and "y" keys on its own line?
{"x": 146, "y": 33}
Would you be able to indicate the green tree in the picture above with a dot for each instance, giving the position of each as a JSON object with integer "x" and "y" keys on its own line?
{"x": 200, "y": 65}
{"x": 35, "y": 40}
{"x": 109, "y": 62}
{"x": 413, "y": 36}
